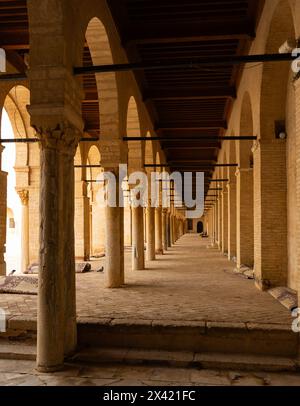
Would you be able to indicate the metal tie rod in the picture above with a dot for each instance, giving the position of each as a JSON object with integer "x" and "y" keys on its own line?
{"x": 29, "y": 140}
{"x": 218, "y": 180}
{"x": 192, "y": 64}
{"x": 201, "y": 138}
{"x": 87, "y": 166}
{"x": 190, "y": 165}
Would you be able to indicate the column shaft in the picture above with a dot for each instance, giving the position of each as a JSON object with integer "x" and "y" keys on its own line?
{"x": 165, "y": 230}
{"x": 158, "y": 231}
{"x": 3, "y": 211}
{"x": 232, "y": 220}
{"x": 245, "y": 221}
{"x": 225, "y": 221}
{"x": 24, "y": 230}
{"x": 150, "y": 218}
{"x": 56, "y": 298}
{"x": 138, "y": 252}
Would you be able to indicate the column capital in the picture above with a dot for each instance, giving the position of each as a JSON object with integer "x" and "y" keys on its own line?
{"x": 24, "y": 196}
{"x": 62, "y": 136}
{"x": 256, "y": 145}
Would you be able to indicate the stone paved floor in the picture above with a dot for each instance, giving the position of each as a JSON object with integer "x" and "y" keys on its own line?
{"x": 23, "y": 373}
{"x": 188, "y": 283}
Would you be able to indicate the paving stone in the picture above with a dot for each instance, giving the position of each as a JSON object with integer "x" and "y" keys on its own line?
{"x": 207, "y": 377}
{"x": 187, "y": 284}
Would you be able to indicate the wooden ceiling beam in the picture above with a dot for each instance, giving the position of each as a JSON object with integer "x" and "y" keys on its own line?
{"x": 191, "y": 125}
{"x": 143, "y": 33}
{"x": 190, "y": 93}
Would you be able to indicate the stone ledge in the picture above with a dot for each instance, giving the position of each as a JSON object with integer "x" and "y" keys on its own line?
{"x": 22, "y": 323}
{"x": 186, "y": 359}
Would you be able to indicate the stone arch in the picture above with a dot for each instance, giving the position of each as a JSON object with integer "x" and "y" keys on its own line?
{"x": 275, "y": 75}
{"x": 270, "y": 159}
{"x": 232, "y": 199}
{"x": 100, "y": 52}
{"x": 96, "y": 212}
{"x": 15, "y": 105}
{"x": 82, "y": 209}
{"x": 244, "y": 187}
{"x": 135, "y": 150}
{"x": 26, "y": 170}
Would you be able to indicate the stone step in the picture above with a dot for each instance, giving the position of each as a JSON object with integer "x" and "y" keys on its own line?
{"x": 17, "y": 351}
{"x": 178, "y": 359}
{"x": 220, "y": 337}
{"x": 174, "y": 359}
{"x": 175, "y": 336}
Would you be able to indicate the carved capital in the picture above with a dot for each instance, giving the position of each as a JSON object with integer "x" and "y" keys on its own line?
{"x": 24, "y": 196}
{"x": 64, "y": 137}
{"x": 256, "y": 146}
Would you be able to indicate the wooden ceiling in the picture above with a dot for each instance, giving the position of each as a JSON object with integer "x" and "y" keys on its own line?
{"x": 182, "y": 102}
{"x": 14, "y": 31}
{"x": 191, "y": 101}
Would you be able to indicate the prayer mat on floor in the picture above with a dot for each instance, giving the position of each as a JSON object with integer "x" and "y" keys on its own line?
{"x": 287, "y": 297}
{"x": 22, "y": 285}
{"x": 83, "y": 267}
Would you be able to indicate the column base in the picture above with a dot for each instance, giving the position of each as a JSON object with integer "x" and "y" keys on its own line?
{"x": 159, "y": 252}
{"x": 46, "y": 369}
{"x": 3, "y": 269}
{"x": 117, "y": 286}
{"x": 262, "y": 284}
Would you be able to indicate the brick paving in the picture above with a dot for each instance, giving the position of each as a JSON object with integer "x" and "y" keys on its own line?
{"x": 189, "y": 283}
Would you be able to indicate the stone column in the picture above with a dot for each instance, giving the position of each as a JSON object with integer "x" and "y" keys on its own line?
{"x": 138, "y": 253}
{"x": 150, "y": 218}
{"x": 24, "y": 196}
{"x": 82, "y": 222}
{"x": 225, "y": 221}
{"x": 216, "y": 222}
{"x": 169, "y": 230}
{"x": 114, "y": 247}
{"x": 297, "y": 146}
{"x": 98, "y": 229}
{"x": 175, "y": 228}
{"x": 122, "y": 264}
{"x": 158, "y": 231}
{"x": 219, "y": 203}
{"x": 3, "y": 211}
{"x": 56, "y": 299}
{"x": 165, "y": 229}
{"x": 214, "y": 219}
{"x": 244, "y": 220}
{"x": 232, "y": 220}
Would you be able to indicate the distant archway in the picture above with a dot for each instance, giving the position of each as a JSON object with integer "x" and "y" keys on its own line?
{"x": 200, "y": 227}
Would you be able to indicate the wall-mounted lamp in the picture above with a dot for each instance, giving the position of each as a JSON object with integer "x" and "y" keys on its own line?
{"x": 280, "y": 131}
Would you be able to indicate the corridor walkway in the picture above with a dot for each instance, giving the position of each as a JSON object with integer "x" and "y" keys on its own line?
{"x": 189, "y": 283}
